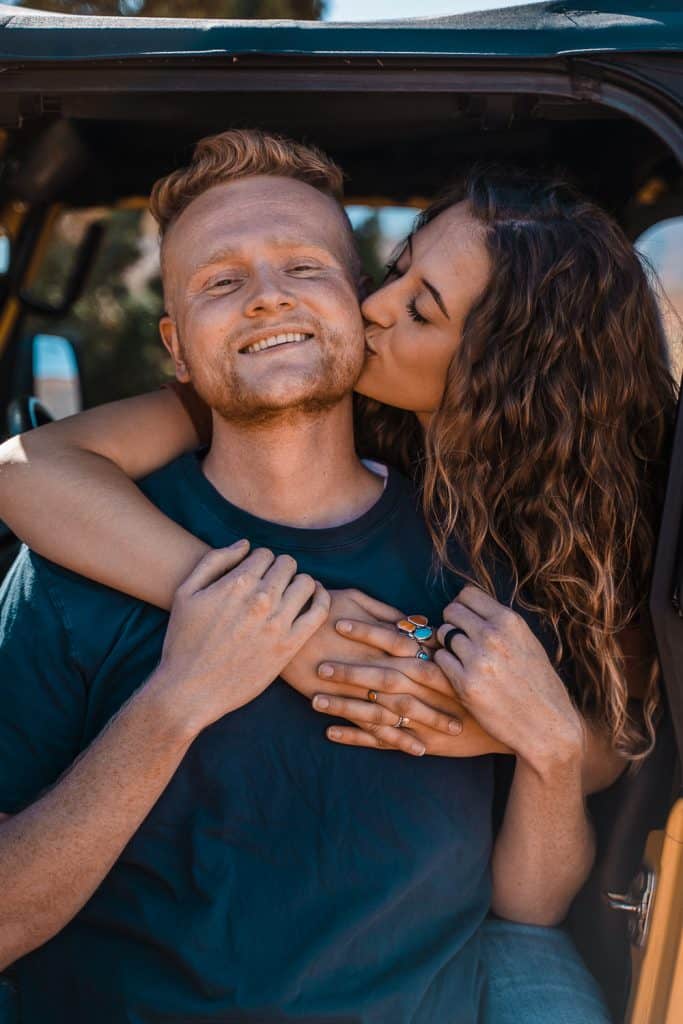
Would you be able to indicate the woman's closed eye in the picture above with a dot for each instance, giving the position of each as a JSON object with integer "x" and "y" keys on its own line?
{"x": 414, "y": 313}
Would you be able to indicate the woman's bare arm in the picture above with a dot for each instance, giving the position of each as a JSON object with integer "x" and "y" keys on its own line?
{"x": 67, "y": 490}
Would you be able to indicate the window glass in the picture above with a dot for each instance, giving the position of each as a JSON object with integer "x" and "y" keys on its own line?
{"x": 114, "y": 322}
{"x": 662, "y": 245}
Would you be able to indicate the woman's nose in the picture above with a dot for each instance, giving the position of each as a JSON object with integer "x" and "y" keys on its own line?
{"x": 377, "y": 308}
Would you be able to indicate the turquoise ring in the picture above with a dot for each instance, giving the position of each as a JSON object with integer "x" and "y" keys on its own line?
{"x": 417, "y": 627}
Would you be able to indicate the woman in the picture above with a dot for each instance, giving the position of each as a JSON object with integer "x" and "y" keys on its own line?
{"x": 518, "y": 337}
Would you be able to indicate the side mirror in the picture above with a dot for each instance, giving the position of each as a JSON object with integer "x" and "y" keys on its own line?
{"x": 56, "y": 377}
{"x": 45, "y": 372}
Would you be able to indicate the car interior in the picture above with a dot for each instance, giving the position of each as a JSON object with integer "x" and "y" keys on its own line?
{"x": 77, "y": 147}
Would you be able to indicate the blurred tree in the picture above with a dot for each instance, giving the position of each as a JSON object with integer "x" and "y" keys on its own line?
{"x": 369, "y": 240}
{"x": 304, "y": 10}
{"x": 114, "y": 322}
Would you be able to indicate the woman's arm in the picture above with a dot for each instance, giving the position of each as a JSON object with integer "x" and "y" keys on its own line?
{"x": 67, "y": 490}
{"x": 545, "y": 847}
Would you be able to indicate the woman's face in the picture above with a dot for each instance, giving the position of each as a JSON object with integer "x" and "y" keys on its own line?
{"x": 415, "y": 320}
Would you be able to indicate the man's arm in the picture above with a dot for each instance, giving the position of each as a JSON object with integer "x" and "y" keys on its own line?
{"x": 55, "y": 852}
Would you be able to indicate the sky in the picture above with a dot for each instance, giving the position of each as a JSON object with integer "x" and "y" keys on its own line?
{"x": 377, "y": 10}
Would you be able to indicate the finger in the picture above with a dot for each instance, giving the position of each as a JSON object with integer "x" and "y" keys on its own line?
{"x": 419, "y": 713}
{"x": 395, "y": 739}
{"x": 364, "y": 677}
{"x": 214, "y": 565}
{"x": 306, "y": 624}
{"x": 299, "y": 592}
{"x": 478, "y": 601}
{"x": 363, "y": 712}
{"x": 380, "y": 610}
{"x": 425, "y": 674}
{"x": 459, "y": 614}
{"x": 279, "y": 576}
{"x": 453, "y": 670}
{"x": 248, "y": 573}
{"x": 386, "y": 711}
{"x": 384, "y": 638}
{"x": 459, "y": 644}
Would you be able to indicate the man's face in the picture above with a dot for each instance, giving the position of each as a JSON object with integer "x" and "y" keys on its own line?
{"x": 263, "y": 311}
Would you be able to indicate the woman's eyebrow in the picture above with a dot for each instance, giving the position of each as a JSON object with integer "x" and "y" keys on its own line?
{"x": 436, "y": 295}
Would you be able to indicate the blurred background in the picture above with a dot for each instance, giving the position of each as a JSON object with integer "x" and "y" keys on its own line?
{"x": 120, "y": 306}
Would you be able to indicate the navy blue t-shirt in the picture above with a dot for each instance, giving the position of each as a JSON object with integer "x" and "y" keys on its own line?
{"x": 280, "y": 877}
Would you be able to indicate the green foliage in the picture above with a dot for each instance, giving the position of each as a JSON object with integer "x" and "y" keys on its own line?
{"x": 369, "y": 239}
{"x": 303, "y": 10}
{"x": 114, "y": 323}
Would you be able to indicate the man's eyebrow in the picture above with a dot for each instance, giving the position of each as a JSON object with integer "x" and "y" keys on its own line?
{"x": 217, "y": 256}
{"x": 227, "y": 253}
{"x": 436, "y": 295}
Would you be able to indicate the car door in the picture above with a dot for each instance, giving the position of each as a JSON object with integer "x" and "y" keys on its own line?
{"x": 628, "y": 60}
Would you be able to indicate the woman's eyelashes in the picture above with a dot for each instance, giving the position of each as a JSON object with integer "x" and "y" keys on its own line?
{"x": 414, "y": 313}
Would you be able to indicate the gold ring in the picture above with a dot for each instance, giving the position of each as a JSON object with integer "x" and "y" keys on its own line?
{"x": 372, "y": 696}
{"x": 401, "y": 722}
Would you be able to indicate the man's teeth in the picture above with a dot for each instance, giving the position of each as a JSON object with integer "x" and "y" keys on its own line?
{"x": 277, "y": 339}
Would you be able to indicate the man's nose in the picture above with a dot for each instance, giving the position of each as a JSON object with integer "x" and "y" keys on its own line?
{"x": 268, "y": 294}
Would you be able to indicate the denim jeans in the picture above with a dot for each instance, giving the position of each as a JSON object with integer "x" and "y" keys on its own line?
{"x": 534, "y": 975}
{"x": 531, "y": 976}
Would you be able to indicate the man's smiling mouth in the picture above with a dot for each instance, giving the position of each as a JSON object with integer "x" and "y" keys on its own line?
{"x": 276, "y": 341}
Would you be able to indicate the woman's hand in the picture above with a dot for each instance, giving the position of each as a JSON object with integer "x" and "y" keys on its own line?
{"x": 402, "y": 687}
{"x": 503, "y": 676}
{"x": 329, "y": 644}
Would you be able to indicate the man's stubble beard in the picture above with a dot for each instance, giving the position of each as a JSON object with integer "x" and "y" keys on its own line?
{"x": 227, "y": 394}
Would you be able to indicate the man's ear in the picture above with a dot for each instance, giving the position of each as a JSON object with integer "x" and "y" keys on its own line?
{"x": 169, "y": 336}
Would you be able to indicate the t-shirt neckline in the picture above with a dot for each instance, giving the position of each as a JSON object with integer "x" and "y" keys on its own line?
{"x": 253, "y": 527}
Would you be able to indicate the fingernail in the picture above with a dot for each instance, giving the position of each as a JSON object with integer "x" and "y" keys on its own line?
{"x": 344, "y": 627}
{"x": 454, "y": 726}
{"x": 325, "y": 671}
{"x": 418, "y": 749}
{"x": 321, "y": 702}
{"x": 240, "y": 543}
{"x": 333, "y": 733}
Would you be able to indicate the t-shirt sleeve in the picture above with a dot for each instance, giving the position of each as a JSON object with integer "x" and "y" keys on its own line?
{"x": 43, "y": 694}
{"x": 195, "y": 407}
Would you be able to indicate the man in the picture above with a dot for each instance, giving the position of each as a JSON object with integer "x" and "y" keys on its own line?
{"x": 184, "y": 844}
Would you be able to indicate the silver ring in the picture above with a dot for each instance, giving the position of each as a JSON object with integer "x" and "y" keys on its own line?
{"x": 401, "y": 722}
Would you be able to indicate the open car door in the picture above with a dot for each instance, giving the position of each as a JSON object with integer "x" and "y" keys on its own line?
{"x": 595, "y": 88}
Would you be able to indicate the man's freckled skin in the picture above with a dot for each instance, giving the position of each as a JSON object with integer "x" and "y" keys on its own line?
{"x": 282, "y": 263}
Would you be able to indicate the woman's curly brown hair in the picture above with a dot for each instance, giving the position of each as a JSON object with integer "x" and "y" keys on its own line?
{"x": 549, "y": 449}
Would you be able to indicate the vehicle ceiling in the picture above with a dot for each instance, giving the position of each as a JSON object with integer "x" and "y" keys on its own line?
{"x": 395, "y": 144}
{"x": 393, "y": 147}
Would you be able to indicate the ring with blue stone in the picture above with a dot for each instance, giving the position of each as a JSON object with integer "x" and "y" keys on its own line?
{"x": 417, "y": 627}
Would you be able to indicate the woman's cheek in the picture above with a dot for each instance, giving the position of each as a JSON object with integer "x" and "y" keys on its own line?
{"x": 420, "y": 376}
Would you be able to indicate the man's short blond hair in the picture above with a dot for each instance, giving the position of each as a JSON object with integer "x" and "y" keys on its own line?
{"x": 242, "y": 153}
